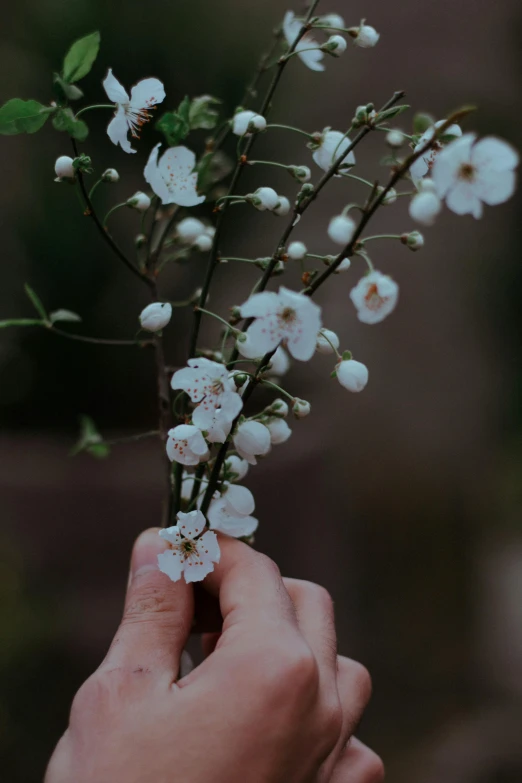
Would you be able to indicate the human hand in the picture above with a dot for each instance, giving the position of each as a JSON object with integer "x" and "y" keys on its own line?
{"x": 272, "y": 702}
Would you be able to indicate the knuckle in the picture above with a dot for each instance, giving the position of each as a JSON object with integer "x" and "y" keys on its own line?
{"x": 373, "y": 768}
{"x": 149, "y": 600}
{"x": 268, "y": 564}
{"x": 97, "y": 695}
{"x": 363, "y": 682}
{"x": 332, "y": 722}
{"x": 291, "y": 670}
{"x": 315, "y": 594}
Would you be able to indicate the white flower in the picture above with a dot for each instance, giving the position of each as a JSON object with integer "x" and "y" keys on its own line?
{"x": 335, "y": 45}
{"x": 279, "y": 430}
{"x": 424, "y": 164}
{"x": 468, "y": 172}
{"x": 297, "y": 250}
{"x": 189, "y": 229}
{"x": 374, "y": 296}
{"x": 139, "y": 201}
{"x": 264, "y": 198}
{"x": 156, "y": 316}
{"x": 64, "y": 168}
{"x": 301, "y": 408}
{"x": 286, "y": 317}
{"x": 186, "y": 445}
{"x": 341, "y": 229}
{"x": 279, "y": 364}
{"x": 283, "y": 207}
{"x": 332, "y": 21}
{"x": 331, "y": 147}
{"x": 307, "y": 47}
{"x": 352, "y": 375}
{"x": 172, "y": 178}
{"x": 251, "y": 439}
{"x": 395, "y": 138}
{"x": 210, "y": 387}
{"x": 365, "y": 36}
{"x": 231, "y": 512}
{"x": 245, "y": 122}
{"x": 203, "y": 242}
{"x": 344, "y": 265}
{"x": 327, "y": 341}
{"x": 131, "y": 113}
{"x": 189, "y": 553}
{"x": 236, "y": 468}
{"x": 425, "y": 205}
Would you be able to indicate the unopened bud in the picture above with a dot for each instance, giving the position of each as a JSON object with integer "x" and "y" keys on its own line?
{"x": 364, "y": 36}
{"x": 139, "y": 201}
{"x": 297, "y": 251}
{"x": 395, "y": 138}
{"x": 390, "y": 197}
{"x": 301, "y": 408}
{"x": 283, "y": 208}
{"x": 264, "y": 198}
{"x": 110, "y": 175}
{"x": 64, "y": 169}
{"x": 240, "y": 379}
{"x": 156, "y": 316}
{"x": 341, "y": 229}
{"x": 140, "y": 240}
{"x": 300, "y": 173}
{"x": 335, "y": 45}
{"x": 414, "y": 240}
{"x": 278, "y": 408}
{"x": 203, "y": 242}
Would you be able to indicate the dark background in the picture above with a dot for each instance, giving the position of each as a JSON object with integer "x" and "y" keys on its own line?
{"x": 403, "y": 501}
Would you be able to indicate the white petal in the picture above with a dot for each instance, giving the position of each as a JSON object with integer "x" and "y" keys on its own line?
{"x": 191, "y": 524}
{"x": 448, "y": 162}
{"x": 170, "y": 563}
{"x": 185, "y": 193}
{"x": 153, "y": 177}
{"x": 117, "y": 130}
{"x": 279, "y": 431}
{"x": 240, "y": 501}
{"x": 263, "y": 336}
{"x": 146, "y": 93}
{"x": 493, "y": 154}
{"x": 260, "y": 304}
{"x": 311, "y": 57}
{"x": 115, "y": 91}
{"x": 178, "y": 160}
{"x": 495, "y": 187}
{"x": 171, "y": 534}
{"x": 210, "y": 542}
{"x": 463, "y": 200}
{"x": 197, "y": 443}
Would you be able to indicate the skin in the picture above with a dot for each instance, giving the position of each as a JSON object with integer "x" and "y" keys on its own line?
{"x": 271, "y": 703}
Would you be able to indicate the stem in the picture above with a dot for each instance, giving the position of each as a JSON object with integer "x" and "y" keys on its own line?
{"x": 95, "y": 106}
{"x": 236, "y": 258}
{"x": 106, "y": 236}
{"x": 282, "y": 391}
{"x": 111, "y": 210}
{"x": 98, "y": 340}
{"x": 359, "y": 179}
{"x": 291, "y": 128}
{"x": 381, "y": 236}
{"x": 218, "y": 318}
{"x": 94, "y": 187}
{"x": 132, "y": 438}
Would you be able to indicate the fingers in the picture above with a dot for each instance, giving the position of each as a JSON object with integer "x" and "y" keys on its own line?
{"x": 358, "y": 764}
{"x": 157, "y": 617}
{"x": 355, "y": 689}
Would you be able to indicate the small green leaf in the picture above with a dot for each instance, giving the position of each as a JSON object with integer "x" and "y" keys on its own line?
{"x": 65, "y": 120}
{"x": 347, "y": 355}
{"x": 21, "y": 322}
{"x": 90, "y": 440}
{"x": 17, "y": 116}
{"x": 36, "y": 301}
{"x": 201, "y": 113}
{"x": 388, "y": 114}
{"x": 64, "y": 91}
{"x": 175, "y": 125}
{"x": 63, "y": 315}
{"x": 80, "y": 57}
{"x": 422, "y": 121}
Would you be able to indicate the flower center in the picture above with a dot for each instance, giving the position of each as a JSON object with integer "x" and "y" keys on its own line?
{"x": 467, "y": 172}
{"x": 137, "y": 118}
{"x": 288, "y": 315}
{"x": 373, "y": 299}
{"x": 217, "y": 386}
{"x": 188, "y": 547}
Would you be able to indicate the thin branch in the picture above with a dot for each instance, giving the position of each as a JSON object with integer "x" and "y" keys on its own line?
{"x": 98, "y": 340}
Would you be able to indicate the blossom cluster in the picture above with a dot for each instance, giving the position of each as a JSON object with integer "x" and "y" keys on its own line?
{"x": 211, "y": 433}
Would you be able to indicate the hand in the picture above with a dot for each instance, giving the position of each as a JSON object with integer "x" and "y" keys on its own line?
{"x": 272, "y": 702}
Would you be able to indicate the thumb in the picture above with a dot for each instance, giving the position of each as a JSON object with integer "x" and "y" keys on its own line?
{"x": 158, "y": 613}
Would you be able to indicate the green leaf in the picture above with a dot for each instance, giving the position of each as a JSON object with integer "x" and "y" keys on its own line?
{"x": 21, "y": 322}
{"x": 388, "y": 114}
{"x": 17, "y": 116}
{"x": 63, "y": 315}
{"x": 64, "y": 91}
{"x": 36, "y": 301}
{"x": 90, "y": 440}
{"x": 65, "y": 120}
{"x": 422, "y": 121}
{"x": 80, "y": 57}
{"x": 175, "y": 125}
{"x": 201, "y": 113}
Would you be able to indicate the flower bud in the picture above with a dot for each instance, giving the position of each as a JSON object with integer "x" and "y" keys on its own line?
{"x": 426, "y": 205}
{"x": 140, "y": 240}
{"x": 279, "y": 364}
{"x": 301, "y": 408}
{"x": 390, "y": 197}
{"x": 414, "y": 240}
{"x": 247, "y": 122}
{"x": 240, "y": 378}
{"x": 156, "y": 316}
{"x": 139, "y": 201}
{"x": 364, "y": 36}
{"x": 297, "y": 251}
{"x": 189, "y": 229}
{"x": 278, "y": 408}
{"x": 279, "y": 431}
{"x": 333, "y": 21}
{"x": 300, "y": 173}
{"x": 344, "y": 265}
{"x": 352, "y": 375}
{"x": 335, "y": 45}
{"x": 252, "y": 439}
{"x": 64, "y": 168}
{"x": 237, "y": 466}
{"x": 264, "y": 198}
{"x": 327, "y": 342}
{"x": 341, "y": 229}
{"x": 110, "y": 175}
{"x": 395, "y": 138}
{"x": 203, "y": 242}
{"x": 283, "y": 208}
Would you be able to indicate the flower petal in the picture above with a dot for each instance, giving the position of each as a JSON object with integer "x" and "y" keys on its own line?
{"x": 239, "y": 500}
{"x": 463, "y": 200}
{"x": 171, "y": 534}
{"x": 495, "y": 187}
{"x": 170, "y": 563}
{"x": 117, "y": 130}
{"x": 260, "y": 305}
{"x": 448, "y": 162}
{"x": 116, "y": 92}
{"x": 191, "y": 524}
{"x": 153, "y": 176}
{"x": 147, "y": 93}
{"x": 491, "y": 154}
{"x": 178, "y": 160}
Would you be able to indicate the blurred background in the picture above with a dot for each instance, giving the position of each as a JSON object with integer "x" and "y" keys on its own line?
{"x": 403, "y": 501}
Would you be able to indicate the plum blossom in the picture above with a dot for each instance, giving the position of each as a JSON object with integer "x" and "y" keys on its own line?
{"x": 287, "y": 317}
{"x": 172, "y": 178}
{"x": 156, "y": 316}
{"x": 131, "y": 113}
{"x": 186, "y": 444}
{"x": 244, "y": 122}
{"x": 211, "y": 388}
{"x": 331, "y": 146}
{"x": 307, "y": 48}
{"x": 251, "y": 440}
{"x": 189, "y": 553}
{"x": 424, "y": 164}
{"x": 327, "y": 341}
{"x": 468, "y": 172}
{"x": 231, "y": 511}
{"x": 352, "y": 375}
{"x": 374, "y": 296}
{"x": 279, "y": 430}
